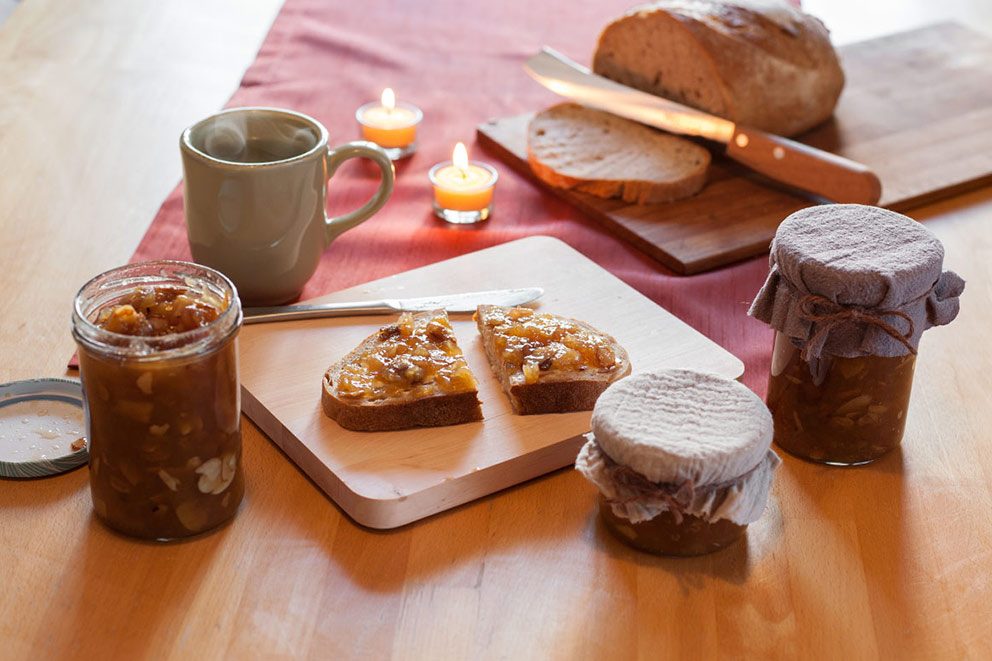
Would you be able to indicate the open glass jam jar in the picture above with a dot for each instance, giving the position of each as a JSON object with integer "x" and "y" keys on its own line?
{"x": 681, "y": 460}
{"x": 850, "y": 291}
{"x": 159, "y": 364}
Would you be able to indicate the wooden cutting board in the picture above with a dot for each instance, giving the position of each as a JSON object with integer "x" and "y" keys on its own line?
{"x": 917, "y": 108}
{"x": 384, "y": 480}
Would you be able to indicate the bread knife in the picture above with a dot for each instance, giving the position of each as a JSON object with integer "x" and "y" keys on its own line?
{"x": 466, "y": 302}
{"x": 789, "y": 162}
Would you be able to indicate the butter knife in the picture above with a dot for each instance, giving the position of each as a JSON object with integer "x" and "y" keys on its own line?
{"x": 813, "y": 170}
{"x": 466, "y": 302}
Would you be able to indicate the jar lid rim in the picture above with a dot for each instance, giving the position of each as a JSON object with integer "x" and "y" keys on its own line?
{"x": 50, "y": 390}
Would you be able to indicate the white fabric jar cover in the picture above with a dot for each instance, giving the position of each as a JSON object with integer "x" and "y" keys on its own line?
{"x": 691, "y": 442}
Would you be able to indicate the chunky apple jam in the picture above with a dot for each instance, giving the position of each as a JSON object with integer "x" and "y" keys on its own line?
{"x": 159, "y": 367}
{"x": 157, "y": 311}
{"x": 855, "y": 414}
{"x": 535, "y": 343}
{"x": 672, "y": 533}
{"x": 415, "y": 357}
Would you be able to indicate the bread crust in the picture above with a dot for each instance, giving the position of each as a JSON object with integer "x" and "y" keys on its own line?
{"x": 685, "y": 177}
{"x": 436, "y": 411}
{"x": 393, "y": 414}
{"x": 768, "y": 67}
{"x": 554, "y": 392}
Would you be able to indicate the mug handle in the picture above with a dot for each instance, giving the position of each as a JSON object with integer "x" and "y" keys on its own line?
{"x": 358, "y": 149}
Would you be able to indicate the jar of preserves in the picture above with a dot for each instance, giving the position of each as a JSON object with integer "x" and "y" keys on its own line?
{"x": 850, "y": 291}
{"x": 158, "y": 361}
{"x": 682, "y": 460}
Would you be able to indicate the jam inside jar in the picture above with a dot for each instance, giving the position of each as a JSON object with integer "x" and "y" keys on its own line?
{"x": 854, "y": 415}
{"x": 159, "y": 366}
{"x": 668, "y": 534}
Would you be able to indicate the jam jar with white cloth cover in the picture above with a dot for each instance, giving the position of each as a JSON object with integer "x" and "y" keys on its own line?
{"x": 850, "y": 291}
{"x": 682, "y": 460}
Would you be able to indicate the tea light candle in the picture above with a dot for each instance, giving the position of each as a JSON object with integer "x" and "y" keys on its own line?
{"x": 391, "y": 125}
{"x": 463, "y": 190}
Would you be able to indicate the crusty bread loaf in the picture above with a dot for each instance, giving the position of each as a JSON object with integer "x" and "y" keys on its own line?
{"x": 555, "y": 390}
{"x": 571, "y": 146}
{"x": 760, "y": 63}
{"x": 425, "y": 405}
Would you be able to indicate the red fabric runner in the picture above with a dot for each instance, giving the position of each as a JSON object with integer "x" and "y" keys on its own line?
{"x": 461, "y": 63}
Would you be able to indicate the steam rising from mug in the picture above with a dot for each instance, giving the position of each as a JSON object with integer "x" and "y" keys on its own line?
{"x": 226, "y": 138}
{"x": 230, "y": 138}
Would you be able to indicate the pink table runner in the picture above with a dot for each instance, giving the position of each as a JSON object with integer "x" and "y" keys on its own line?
{"x": 461, "y": 63}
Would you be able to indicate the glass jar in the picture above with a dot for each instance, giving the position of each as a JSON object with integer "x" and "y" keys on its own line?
{"x": 670, "y": 534}
{"x": 158, "y": 358}
{"x": 852, "y": 413}
{"x": 681, "y": 460}
{"x": 850, "y": 291}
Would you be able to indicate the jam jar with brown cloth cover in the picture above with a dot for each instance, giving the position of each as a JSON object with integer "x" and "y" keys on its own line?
{"x": 850, "y": 291}
{"x": 158, "y": 360}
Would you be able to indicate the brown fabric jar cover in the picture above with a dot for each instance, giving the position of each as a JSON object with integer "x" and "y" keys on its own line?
{"x": 850, "y": 280}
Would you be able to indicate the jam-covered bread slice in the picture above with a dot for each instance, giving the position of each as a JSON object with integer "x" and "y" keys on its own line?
{"x": 547, "y": 363}
{"x": 408, "y": 374}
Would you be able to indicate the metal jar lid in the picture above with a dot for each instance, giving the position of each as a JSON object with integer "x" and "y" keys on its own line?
{"x": 42, "y": 427}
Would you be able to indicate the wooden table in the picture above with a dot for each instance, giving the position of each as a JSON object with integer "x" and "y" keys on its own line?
{"x": 890, "y": 560}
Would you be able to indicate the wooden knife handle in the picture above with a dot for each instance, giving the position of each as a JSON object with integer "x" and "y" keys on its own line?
{"x": 813, "y": 170}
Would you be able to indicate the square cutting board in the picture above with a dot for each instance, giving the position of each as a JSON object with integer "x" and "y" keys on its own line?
{"x": 916, "y": 108}
{"x": 388, "y": 479}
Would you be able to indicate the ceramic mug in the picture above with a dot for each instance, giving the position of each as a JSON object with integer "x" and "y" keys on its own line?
{"x": 255, "y": 191}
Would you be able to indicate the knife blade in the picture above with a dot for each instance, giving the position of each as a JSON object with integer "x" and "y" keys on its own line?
{"x": 464, "y": 302}
{"x": 813, "y": 170}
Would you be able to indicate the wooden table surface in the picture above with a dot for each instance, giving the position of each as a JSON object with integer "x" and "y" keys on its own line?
{"x": 890, "y": 560}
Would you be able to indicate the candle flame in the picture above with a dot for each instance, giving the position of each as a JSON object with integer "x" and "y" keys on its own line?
{"x": 459, "y": 157}
{"x": 388, "y": 99}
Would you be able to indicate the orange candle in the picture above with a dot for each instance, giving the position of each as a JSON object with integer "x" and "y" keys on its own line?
{"x": 391, "y": 125}
{"x": 463, "y": 190}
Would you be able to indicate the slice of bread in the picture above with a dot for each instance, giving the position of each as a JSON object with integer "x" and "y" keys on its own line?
{"x": 571, "y": 146}
{"x": 547, "y": 363}
{"x": 408, "y": 374}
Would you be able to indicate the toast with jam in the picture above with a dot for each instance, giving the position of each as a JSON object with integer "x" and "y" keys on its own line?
{"x": 547, "y": 363}
{"x": 411, "y": 373}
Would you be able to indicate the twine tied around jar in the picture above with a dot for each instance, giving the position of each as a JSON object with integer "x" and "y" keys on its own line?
{"x": 827, "y": 314}
{"x": 886, "y": 268}
{"x": 677, "y": 496}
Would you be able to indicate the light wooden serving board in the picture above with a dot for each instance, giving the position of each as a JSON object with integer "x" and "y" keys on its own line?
{"x": 385, "y": 480}
{"x": 917, "y": 109}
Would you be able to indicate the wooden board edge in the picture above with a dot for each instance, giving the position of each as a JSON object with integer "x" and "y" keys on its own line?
{"x": 395, "y": 513}
{"x": 930, "y": 197}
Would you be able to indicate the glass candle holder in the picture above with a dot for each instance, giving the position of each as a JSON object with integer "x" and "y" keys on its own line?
{"x": 463, "y": 195}
{"x": 390, "y": 124}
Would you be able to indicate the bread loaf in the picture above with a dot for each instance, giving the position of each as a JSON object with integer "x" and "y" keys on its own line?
{"x": 571, "y": 146}
{"x": 760, "y": 63}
